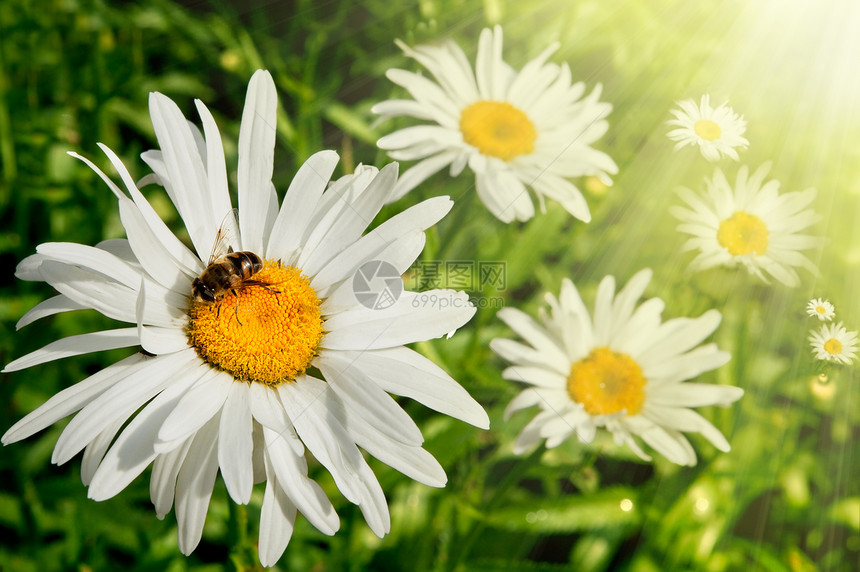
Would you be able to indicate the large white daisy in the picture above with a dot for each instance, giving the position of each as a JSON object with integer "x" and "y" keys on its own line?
{"x": 243, "y": 386}
{"x": 750, "y": 225}
{"x": 834, "y": 342}
{"x": 715, "y": 131}
{"x": 533, "y": 128}
{"x": 620, "y": 368}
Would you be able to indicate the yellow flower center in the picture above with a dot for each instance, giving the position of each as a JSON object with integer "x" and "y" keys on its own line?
{"x": 743, "y": 233}
{"x": 607, "y": 382}
{"x": 707, "y": 129}
{"x": 268, "y": 332}
{"x": 833, "y": 346}
{"x": 821, "y": 309}
{"x": 498, "y": 129}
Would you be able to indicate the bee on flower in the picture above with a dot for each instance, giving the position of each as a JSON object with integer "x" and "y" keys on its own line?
{"x": 251, "y": 354}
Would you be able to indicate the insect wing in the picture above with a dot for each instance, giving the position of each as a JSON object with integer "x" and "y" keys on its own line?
{"x": 227, "y": 238}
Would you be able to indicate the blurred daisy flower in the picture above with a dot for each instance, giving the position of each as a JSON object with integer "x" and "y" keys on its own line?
{"x": 226, "y": 385}
{"x": 750, "y": 225}
{"x": 833, "y": 342}
{"x": 514, "y": 130}
{"x": 821, "y": 309}
{"x": 621, "y": 368}
{"x": 716, "y": 131}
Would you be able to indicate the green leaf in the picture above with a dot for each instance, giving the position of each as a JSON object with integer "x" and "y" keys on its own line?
{"x": 601, "y": 510}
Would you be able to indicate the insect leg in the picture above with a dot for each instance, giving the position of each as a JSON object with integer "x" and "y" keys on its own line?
{"x": 236, "y": 295}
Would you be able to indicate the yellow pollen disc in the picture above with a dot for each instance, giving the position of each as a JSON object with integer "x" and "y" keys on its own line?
{"x": 707, "y": 129}
{"x": 743, "y": 233}
{"x": 833, "y": 346}
{"x": 607, "y": 382}
{"x": 821, "y": 309}
{"x": 270, "y": 337}
{"x": 498, "y": 129}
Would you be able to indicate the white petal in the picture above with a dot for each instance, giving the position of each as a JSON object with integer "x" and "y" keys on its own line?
{"x": 538, "y": 376}
{"x": 186, "y": 259}
{"x": 670, "y": 444}
{"x": 196, "y": 408}
{"x": 412, "y": 461}
{"x": 315, "y": 413}
{"x": 420, "y": 217}
{"x": 372, "y": 501}
{"x": 696, "y": 361}
{"x": 291, "y": 472}
{"x": 414, "y": 317}
{"x": 92, "y": 258}
{"x": 625, "y": 301}
{"x": 505, "y": 196}
{"x": 194, "y": 485}
{"x": 119, "y": 402}
{"x": 401, "y": 254}
{"x": 277, "y": 520}
{"x": 267, "y": 410}
{"x": 696, "y": 395}
{"x": 353, "y": 385}
{"x": 216, "y": 169}
{"x": 235, "y": 445}
{"x": 153, "y": 339}
{"x": 112, "y": 299}
{"x": 72, "y": 399}
{"x": 185, "y": 171}
{"x": 153, "y": 256}
{"x": 95, "y": 451}
{"x": 165, "y": 469}
{"x": 49, "y": 307}
{"x": 402, "y": 371}
{"x": 77, "y": 345}
{"x": 133, "y": 451}
{"x": 323, "y": 244}
{"x": 256, "y": 158}
{"x": 420, "y": 172}
{"x": 537, "y": 337}
{"x": 300, "y": 203}
{"x": 603, "y": 311}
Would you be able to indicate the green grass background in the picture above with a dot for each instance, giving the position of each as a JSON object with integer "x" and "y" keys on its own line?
{"x": 786, "y": 498}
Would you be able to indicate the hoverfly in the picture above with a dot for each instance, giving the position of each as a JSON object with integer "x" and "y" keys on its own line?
{"x": 227, "y": 271}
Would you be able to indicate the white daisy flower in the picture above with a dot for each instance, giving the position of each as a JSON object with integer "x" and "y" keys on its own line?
{"x": 227, "y": 385}
{"x": 821, "y": 309}
{"x": 716, "y": 131}
{"x": 514, "y": 130}
{"x": 621, "y": 369}
{"x": 833, "y": 342}
{"x": 750, "y": 225}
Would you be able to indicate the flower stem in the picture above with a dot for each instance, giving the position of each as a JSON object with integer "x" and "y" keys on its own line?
{"x": 241, "y": 553}
{"x": 510, "y": 479}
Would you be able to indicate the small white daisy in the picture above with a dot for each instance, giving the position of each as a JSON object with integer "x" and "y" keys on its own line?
{"x": 750, "y": 225}
{"x": 833, "y": 342}
{"x": 226, "y": 385}
{"x": 716, "y": 131}
{"x": 622, "y": 369}
{"x": 821, "y": 309}
{"x": 513, "y": 129}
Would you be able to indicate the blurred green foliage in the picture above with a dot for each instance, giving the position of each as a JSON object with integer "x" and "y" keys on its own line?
{"x": 77, "y": 72}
